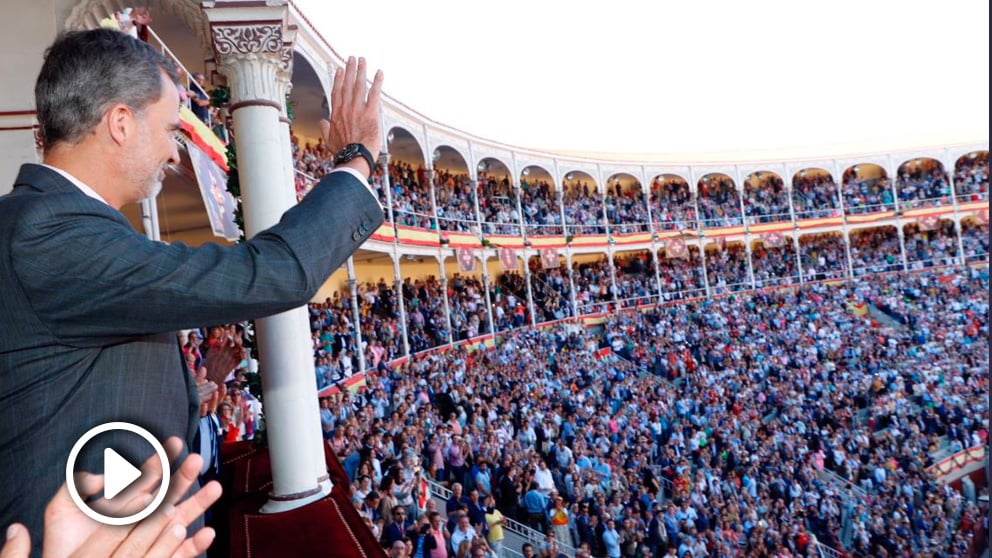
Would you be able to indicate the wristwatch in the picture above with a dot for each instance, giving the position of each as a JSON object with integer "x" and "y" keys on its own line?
{"x": 351, "y": 151}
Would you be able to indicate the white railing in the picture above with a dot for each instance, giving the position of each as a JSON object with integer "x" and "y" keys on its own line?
{"x": 169, "y": 55}
{"x": 824, "y": 551}
{"x": 515, "y": 533}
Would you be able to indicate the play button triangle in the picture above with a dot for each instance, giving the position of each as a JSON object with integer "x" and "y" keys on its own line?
{"x": 118, "y": 474}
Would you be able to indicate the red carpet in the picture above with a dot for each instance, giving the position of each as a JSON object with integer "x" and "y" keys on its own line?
{"x": 328, "y": 527}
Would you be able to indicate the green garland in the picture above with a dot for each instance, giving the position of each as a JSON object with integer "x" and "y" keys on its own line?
{"x": 234, "y": 187}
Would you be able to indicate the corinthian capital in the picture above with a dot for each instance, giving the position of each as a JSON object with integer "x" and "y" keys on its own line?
{"x": 253, "y": 46}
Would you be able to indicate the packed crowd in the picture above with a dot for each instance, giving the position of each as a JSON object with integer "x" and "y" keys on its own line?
{"x": 774, "y": 265}
{"x": 971, "y": 177}
{"x": 927, "y": 248}
{"x": 923, "y": 184}
{"x": 682, "y": 277}
{"x": 823, "y": 256}
{"x": 719, "y": 202}
{"x": 498, "y": 206}
{"x": 583, "y": 207}
{"x": 875, "y": 250}
{"x": 975, "y": 240}
{"x": 672, "y": 205}
{"x": 542, "y": 212}
{"x": 866, "y": 195}
{"x": 815, "y": 195}
{"x": 734, "y": 426}
{"x": 766, "y": 199}
{"x": 727, "y": 268}
{"x": 636, "y": 281}
{"x": 455, "y": 202}
{"x": 626, "y": 210}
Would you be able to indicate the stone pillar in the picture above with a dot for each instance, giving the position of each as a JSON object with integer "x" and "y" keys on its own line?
{"x": 397, "y": 276}
{"x": 254, "y": 51}
{"x": 356, "y": 314}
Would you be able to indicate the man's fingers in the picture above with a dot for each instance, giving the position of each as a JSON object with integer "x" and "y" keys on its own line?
{"x": 198, "y": 503}
{"x": 146, "y": 532}
{"x": 197, "y": 544}
{"x": 375, "y": 92}
{"x": 361, "y": 83}
{"x": 18, "y": 543}
{"x": 184, "y": 478}
{"x": 336, "y": 88}
{"x": 87, "y": 485}
{"x": 348, "y": 87}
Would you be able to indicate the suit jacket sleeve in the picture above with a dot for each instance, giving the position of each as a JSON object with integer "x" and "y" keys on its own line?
{"x": 89, "y": 276}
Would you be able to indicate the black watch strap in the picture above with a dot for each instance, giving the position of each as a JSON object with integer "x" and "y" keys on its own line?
{"x": 351, "y": 151}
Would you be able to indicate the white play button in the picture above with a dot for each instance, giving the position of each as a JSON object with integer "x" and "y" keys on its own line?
{"x": 118, "y": 474}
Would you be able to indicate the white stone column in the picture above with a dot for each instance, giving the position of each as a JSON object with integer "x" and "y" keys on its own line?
{"x": 253, "y": 53}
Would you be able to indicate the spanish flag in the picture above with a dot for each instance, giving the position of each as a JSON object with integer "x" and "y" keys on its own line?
{"x": 203, "y": 137}
{"x": 858, "y": 309}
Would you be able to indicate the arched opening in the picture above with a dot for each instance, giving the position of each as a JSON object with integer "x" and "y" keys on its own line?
{"x": 773, "y": 261}
{"x": 636, "y": 282}
{"x": 867, "y": 190}
{"x": 409, "y": 192}
{"x": 681, "y": 270}
{"x": 550, "y": 286}
{"x": 583, "y": 204}
{"x": 922, "y": 183}
{"x": 930, "y": 241}
{"x": 975, "y": 238}
{"x": 497, "y": 198}
{"x": 726, "y": 267}
{"x": 423, "y": 299}
{"x": 454, "y": 193}
{"x": 509, "y": 299}
{"x": 823, "y": 256}
{"x": 971, "y": 177}
{"x": 312, "y": 159}
{"x": 626, "y": 208}
{"x": 593, "y": 284}
{"x": 466, "y": 297}
{"x": 875, "y": 250}
{"x": 672, "y": 206}
{"x": 718, "y": 200}
{"x": 539, "y": 202}
{"x": 815, "y": 194}
{"x": 766, "y": 199}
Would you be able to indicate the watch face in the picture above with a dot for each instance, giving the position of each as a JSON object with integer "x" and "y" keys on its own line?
{"x": 346, "y": 154}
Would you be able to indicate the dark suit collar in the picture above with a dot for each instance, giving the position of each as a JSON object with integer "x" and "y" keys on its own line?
{"x": 43, "y": 179}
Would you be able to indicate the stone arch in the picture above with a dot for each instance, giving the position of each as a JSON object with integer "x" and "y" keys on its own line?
{"x": 453, "y": 191}
{"x": 539, "y": 202}
{"x": 497, "y": 197}
{"x": 583, "y": 203}
{"x": 766, "y": 198}
{"x": 718, "y": 200}
{"x": 971, "y": 177}
{"x": 672, "y": 204}
{"x": 626, "y": 206}
{"x": 308, "y": 100}
{"x": 922, "y": 182}
{"x": 867, "y": 189}
{"x": 815, "y": 194}
{"x": 410, "y": 192}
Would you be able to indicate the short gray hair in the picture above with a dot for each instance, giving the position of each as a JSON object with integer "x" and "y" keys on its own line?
{"x": 87, "y": 72}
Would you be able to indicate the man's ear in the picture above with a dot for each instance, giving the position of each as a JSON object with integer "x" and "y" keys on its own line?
{"x": 120, "y": 123}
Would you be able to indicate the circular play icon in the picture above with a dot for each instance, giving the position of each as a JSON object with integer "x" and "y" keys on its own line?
{"x": 119, "y": 474}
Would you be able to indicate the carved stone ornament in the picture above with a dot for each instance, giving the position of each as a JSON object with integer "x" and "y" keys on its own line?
{"x": 248, "y": 39}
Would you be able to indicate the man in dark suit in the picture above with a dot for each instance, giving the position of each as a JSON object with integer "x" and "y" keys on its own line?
{"x": 90, "y": 308}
